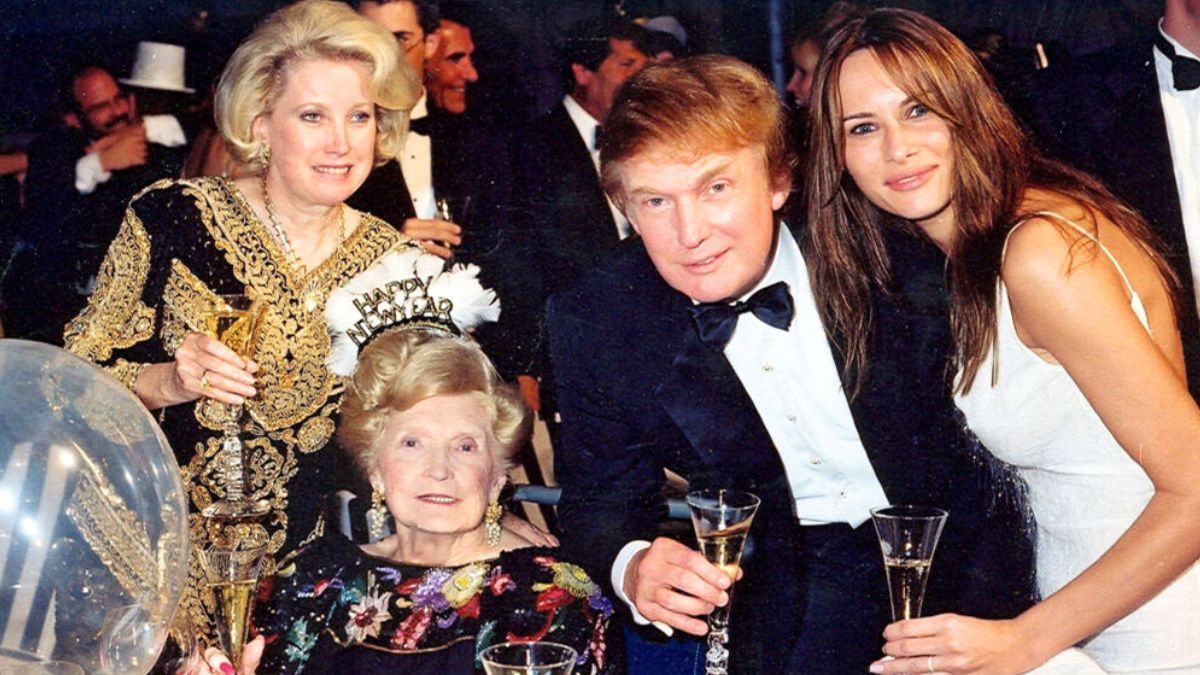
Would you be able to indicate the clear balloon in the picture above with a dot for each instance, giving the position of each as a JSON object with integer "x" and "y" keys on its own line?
{"x": 93, "y": 521}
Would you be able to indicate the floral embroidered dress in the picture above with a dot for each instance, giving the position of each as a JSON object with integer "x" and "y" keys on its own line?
{"x": 181, "y": 244}
{"x": 334, "y": 608}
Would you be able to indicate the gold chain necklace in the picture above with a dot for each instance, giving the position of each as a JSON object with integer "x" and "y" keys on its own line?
{"x": 312, "y": 291}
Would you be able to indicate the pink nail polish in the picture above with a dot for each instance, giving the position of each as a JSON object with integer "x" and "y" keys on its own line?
{"x": 227, "y": 668}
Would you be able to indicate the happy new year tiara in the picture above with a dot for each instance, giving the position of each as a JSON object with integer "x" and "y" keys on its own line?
{"x": 404, "y": 288}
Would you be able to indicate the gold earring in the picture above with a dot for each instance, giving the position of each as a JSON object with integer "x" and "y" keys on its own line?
{"x": 491, "y": 523}
{"x": 376, "y": 516}
{"x": 265, "y": 158}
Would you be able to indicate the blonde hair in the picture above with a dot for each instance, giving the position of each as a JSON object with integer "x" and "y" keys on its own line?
{"x": 401, "y": 368}
{"x": 309, "y": 30}
{"x": 696, "y": 104}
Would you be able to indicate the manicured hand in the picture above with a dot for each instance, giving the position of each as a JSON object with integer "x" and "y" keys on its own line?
{"x": 205, "y": 367}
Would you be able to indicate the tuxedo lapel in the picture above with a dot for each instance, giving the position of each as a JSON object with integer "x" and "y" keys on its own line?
{"x": 1144, "y": 172}
{"x": 385, "y": 195}
{"x": 708, "y": 403}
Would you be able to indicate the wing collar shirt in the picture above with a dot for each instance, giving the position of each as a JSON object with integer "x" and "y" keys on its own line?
{"x": 793, "y": 381}
{"x": 1181, "y": 111}
{"x": 587, "y": 125}
{"x": 416, "y": 163}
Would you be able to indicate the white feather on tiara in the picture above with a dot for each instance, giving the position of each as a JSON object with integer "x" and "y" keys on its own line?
{"x": 404, "y": 287}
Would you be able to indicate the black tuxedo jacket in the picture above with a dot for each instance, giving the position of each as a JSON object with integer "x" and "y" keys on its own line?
{"x": 563, "y": 200}
{"x": 1106, "y": 116}
{"x": 470, "y": 168}
{"x": 67, "y": 233}
{"x": 568, "y": 225}
{"x": 1139, "y": 168}
{"x": 640, "y": 393}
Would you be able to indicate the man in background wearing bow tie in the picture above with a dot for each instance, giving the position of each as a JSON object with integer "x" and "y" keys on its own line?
{"x": 698, "y": 348}
{"x": 1131, "y": 115}
{"x": 402, "y": 192}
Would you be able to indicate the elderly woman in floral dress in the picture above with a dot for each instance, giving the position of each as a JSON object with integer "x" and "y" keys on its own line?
{"x": 428, "y": 421}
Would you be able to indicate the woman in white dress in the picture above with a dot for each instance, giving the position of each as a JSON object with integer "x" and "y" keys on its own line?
{"x": 1068, "y": 359}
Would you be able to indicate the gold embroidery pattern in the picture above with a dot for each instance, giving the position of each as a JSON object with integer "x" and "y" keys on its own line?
{"x": 293, "y": 381}
{"x": 115, "y": 316}
{"x": 292, "y": 415}
{"x": 126, "y": 372}
{"x": 185, "y": 301}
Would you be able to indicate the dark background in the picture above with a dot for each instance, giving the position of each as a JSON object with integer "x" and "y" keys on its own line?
{"x": 39, "y": 39}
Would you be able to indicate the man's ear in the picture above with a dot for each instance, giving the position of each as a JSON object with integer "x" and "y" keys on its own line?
{"x": 583, "y": 76}
{"x": 432, "y": 42}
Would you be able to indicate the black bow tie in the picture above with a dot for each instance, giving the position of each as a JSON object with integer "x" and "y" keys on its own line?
{"x": 422, "y": 125}
{"x": 596, "y": 137}
{"x": 715, "y": 321}
{"x": 1185, "y": 71}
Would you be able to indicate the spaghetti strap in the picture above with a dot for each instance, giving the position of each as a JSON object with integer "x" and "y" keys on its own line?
{"x": 1081, "y": 230}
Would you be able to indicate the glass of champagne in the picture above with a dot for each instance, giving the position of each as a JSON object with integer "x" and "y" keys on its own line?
{"x": 234, "y": 321}
{"x": 445, "y": 211}
{"x": 722, "y": 520}
{"x": 231, "y": 574}
{"x": 908, "y": 536}
{"x": 528, "y": 658}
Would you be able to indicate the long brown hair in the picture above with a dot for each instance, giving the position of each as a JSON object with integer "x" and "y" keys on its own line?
{"x": 994, "y": 165}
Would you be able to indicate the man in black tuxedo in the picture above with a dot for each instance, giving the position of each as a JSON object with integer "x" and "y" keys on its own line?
{"x": 404, "y": 191}
{"x": 657, "y": 370}
{"x": 450, "y": 156}
{"x": 568, "y": 222}
{"x": 1130, "y": 115}
{"x": 80, "y": 178}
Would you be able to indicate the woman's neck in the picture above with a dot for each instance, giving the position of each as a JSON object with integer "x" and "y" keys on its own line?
{"x": 433, "y": 550}
{"x": 312, "y": 231}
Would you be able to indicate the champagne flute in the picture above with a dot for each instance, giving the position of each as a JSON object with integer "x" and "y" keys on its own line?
{"x": 528, "y": 658}
{"x": 234, "y": 321}
{"x": 908, "y": 536}
{"x": 231, "y": 575}
{"x": 444, "y": 211}
{"x": 721, "y": 519}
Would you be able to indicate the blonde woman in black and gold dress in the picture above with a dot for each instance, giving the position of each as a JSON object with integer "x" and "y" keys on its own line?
{"x": 315, "y": 98}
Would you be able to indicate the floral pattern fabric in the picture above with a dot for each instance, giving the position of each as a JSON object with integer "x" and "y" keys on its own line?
{"x": 335, "y": 608}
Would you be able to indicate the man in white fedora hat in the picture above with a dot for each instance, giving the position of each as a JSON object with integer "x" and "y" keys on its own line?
{"x": 80, "y": 178}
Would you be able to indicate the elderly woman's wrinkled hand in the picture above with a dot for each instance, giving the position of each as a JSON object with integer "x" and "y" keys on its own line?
{"x": 205, "y": 367}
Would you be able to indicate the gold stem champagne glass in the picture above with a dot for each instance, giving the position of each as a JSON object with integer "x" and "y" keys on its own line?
{"x": 231, "y": 574}
{"x": 721, "y": 519}
{"x": 908, "y": 536}
{"x": 528, "y": 658}
{"x": 234, "y": 321}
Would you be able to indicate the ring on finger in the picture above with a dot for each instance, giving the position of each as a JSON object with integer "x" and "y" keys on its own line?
{"x": 929, "y": 663}
{"x": 204, "y": 379}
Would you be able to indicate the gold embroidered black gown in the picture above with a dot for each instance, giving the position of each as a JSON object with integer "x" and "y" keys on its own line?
{"x": 181, "y": 243}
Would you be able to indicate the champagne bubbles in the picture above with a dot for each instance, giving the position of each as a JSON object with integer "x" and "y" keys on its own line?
{"x": 93, "y": 521}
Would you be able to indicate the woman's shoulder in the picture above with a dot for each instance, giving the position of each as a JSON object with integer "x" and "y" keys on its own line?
{"x": 169, "y": 205}
{"x": 1049, "y": 233}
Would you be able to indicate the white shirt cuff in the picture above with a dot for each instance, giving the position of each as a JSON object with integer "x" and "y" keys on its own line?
{"x": 89, "y": 173}
{"x": 618, "y": 583}
{"x": 164, "y": 130}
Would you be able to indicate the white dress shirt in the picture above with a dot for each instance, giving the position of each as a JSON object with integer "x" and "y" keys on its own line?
{"x": 587, "y": 125}
{"x": 160, "y": 130}
{"x": 1181, "y": 110}
{"x": 416, "y": 163}
{"x": 793, "y": 381}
